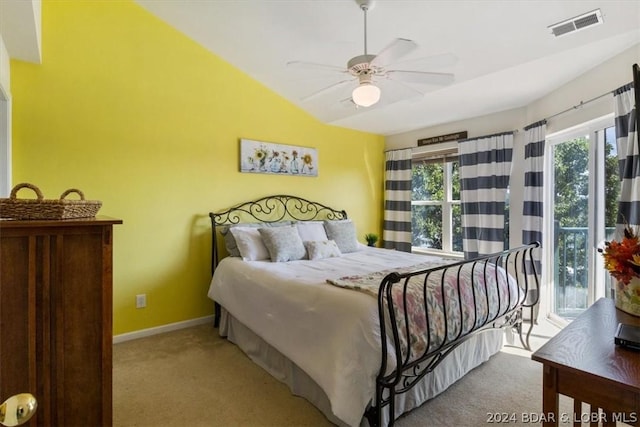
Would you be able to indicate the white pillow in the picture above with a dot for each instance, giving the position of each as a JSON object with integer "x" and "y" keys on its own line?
{"x": 250, "y": 243}
{"x": 230, "y": 241}
{"x": 311, "y": 231}
{"x": 344, "y": 233}
{"x": 322, "y": 249}
{"x": 283, "y": 243}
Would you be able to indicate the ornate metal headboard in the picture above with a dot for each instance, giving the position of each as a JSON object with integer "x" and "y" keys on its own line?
{"x": 270, "y": 209}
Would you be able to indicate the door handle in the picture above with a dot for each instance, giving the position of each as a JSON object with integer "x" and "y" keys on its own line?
{"x": 17, "y": 409}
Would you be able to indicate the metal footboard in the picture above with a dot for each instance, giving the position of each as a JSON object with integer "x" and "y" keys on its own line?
{"x": 510, "y": 276}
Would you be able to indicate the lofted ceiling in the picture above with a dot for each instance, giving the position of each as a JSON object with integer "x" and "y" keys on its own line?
{"x": 506, "y": 54}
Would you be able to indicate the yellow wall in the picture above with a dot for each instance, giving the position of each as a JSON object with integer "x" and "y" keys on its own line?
{"x": 141, "y": 117}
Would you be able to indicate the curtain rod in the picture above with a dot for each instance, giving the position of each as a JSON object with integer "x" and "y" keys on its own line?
{"x": 575, "y": 107}
{"x": 398, "y": 149}
{"x": 582, "y": 103}
{"x": 511, "y": 132}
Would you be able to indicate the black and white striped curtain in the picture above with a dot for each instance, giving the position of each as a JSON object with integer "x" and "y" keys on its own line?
{"x": 628, "y": 159}
{"x": 532, "y": 211}
{"x": 485, "y": 168}
{"x": 534, "y": 139}
{"x": 396, "y": 233}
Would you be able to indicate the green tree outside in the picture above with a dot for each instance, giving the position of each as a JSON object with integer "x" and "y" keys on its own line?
{"x": 426, "y": 220}
{"x": 572, "y": 201}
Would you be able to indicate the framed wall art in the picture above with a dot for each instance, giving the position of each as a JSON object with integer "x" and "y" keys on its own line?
{"x": 277, "y": 159}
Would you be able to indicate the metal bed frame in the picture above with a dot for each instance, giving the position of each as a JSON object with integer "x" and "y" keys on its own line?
{"x": 268, "y": 209}
{"x": 408, "y": 370}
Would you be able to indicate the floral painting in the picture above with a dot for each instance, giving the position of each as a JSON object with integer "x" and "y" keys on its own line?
{"x": 267, "y": 157}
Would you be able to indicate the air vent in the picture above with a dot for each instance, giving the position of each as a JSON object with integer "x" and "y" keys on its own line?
{"x": 577, "y": 23}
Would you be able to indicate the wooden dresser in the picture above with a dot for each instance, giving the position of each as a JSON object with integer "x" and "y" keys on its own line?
{"x": 56, "y": 318}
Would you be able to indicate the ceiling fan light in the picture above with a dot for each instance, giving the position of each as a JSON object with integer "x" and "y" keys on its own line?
{"x": 366, "y": 94}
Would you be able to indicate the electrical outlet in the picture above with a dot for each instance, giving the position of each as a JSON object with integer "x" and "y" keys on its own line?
{"x": 141, "y": 301}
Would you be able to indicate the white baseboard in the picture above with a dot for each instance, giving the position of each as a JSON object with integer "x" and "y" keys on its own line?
{"x": 162, "y": 329}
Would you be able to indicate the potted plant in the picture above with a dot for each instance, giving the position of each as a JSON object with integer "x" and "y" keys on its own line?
{"x": 371, "y": 239}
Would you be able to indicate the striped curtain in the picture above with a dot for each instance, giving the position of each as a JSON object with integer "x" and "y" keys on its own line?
{"x": 533, "y": 184}
{"x": 628, "y": 159}
{"x": 396, "y": 233}
{"x": 532, "y": 211}
{"x": 485, "y": 167}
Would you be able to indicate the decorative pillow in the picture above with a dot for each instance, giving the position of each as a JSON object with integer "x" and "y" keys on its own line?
{"x": 250, "y": 245}
{"x": 230, "y": 242}
{"x": 311, "y": 230}
{"x": 322, "y": 249}
{"x": 283, "y": 243}
{"x": 344, "y": 234}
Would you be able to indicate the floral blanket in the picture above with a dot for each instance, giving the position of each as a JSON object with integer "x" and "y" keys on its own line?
{"x": 488, "y": 286}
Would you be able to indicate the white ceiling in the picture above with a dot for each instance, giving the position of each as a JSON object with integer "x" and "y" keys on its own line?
{"x": 507, "y": 57}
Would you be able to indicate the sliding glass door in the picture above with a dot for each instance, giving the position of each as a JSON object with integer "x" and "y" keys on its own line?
{"x": 583, "y": 190}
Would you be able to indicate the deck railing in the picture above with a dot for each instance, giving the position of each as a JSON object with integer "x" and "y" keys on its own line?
{"x": 571, "y": 269}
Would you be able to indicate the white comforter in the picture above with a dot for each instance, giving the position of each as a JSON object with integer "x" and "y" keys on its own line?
{"x": 329, "y": 332}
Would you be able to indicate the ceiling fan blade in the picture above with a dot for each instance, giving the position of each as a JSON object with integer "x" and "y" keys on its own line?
{"x": 428, "y": 62}
{"x": 421, "y": 77}
{"x": 395, "y": 90}
{"x": 348, "y": 103}
{"x": 394, "y": 51}
{"x": 326, "y": 89}
{"x": 301, "y": 65}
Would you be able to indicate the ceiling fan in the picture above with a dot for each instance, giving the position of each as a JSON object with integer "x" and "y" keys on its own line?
{"x": 369, "y": 71}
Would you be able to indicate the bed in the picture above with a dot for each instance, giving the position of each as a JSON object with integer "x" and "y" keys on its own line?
{"x": 365, "y": 334}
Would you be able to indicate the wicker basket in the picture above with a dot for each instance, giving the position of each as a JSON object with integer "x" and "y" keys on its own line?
{"x": 40, "y": 208}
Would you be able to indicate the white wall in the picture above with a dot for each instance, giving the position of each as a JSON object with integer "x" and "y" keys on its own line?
{"x": 599, "y": 80}
{"x": 484, "y": 125}
{"x": 4, "y": 67}
{"x": 5, "y": 121}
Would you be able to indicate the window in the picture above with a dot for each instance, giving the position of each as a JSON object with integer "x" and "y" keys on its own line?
{"x": 435, "y": 203}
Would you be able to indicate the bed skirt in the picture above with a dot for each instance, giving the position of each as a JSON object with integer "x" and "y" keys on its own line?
{"x": 470, "y": 354}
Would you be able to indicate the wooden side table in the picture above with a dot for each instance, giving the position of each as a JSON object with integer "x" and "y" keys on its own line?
{"x": 583, "y": 362}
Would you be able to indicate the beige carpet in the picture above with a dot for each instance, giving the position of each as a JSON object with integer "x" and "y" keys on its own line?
{"x": 192, "y": 377}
